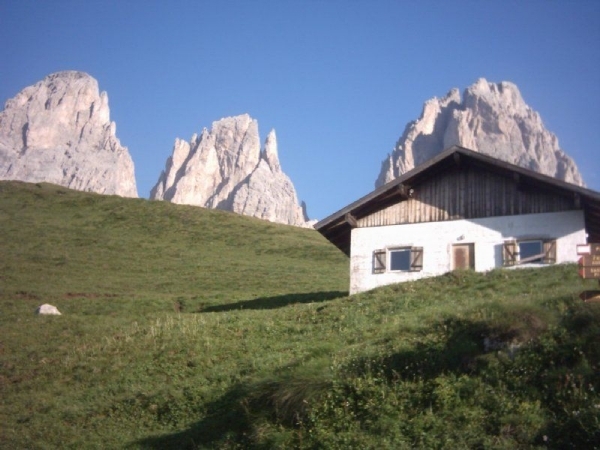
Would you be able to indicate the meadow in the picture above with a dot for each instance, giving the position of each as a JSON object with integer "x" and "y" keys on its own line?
{"x": 188, "y": 328}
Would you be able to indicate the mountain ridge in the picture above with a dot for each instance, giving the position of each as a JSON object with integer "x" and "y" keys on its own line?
{"x": 59, "y": 131}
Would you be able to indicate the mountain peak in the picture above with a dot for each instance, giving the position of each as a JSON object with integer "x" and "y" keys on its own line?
{"x": 225, "y": 169}
{"x": 59, "y": 131}
{"x": 491, "y": 118}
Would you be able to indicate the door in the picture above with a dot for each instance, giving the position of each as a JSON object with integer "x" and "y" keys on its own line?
{"x": 463, "y": 256}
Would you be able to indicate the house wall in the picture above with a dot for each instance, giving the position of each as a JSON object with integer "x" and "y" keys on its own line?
{"x": 436, "y": 238}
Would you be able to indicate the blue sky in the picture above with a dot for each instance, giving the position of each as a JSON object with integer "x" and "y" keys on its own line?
{"x": 337, "y": 80}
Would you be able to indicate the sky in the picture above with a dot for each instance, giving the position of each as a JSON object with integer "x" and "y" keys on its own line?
{"x": 337, "y": 80}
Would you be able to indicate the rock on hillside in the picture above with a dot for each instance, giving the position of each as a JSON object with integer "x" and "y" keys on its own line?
{"x": 491, "y": 118}
{"x": 59, "y": 131}
{"x": 225, "y": 168}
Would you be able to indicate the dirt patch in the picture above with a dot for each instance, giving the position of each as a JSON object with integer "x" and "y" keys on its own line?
{"x": 88, "y": 295}
{"x": 24, "y": 295}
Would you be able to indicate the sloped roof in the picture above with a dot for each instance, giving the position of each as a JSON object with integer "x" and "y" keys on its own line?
{"x": 337, "y": 227}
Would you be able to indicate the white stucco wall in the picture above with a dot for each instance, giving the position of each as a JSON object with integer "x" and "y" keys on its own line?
{"x": 437, "y": 238}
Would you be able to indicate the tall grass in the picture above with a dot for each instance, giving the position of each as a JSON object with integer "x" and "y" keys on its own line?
{"x": 191, "y": 328}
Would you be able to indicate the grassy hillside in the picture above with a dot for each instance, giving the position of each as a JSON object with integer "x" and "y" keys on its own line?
{"x": 191, "y": 328}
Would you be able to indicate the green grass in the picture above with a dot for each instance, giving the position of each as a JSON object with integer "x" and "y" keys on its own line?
{"x": 192, "y": 328}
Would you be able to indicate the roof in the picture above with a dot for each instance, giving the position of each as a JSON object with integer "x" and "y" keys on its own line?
{"x": 337, "y": 227}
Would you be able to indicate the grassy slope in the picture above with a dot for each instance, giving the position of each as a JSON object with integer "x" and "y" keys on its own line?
{"x": 189, "y": 328}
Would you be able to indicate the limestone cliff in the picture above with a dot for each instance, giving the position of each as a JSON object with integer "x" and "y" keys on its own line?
{"x": 490, "y": 118}
{"x": 59, "y": 131}
{"x": 225, "y": 168}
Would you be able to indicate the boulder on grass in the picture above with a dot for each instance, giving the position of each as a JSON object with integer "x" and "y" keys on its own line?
{"x": 47, "y": 309}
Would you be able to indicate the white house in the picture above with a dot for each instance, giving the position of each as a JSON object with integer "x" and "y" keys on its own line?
{"x": 462, "y": 210}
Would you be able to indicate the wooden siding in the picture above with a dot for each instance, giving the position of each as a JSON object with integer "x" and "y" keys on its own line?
{"x": 468, "y": 193}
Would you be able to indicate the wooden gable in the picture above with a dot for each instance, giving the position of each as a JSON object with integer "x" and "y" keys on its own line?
{"x": 461, "y": 184}
{"x": 467, "y": 192}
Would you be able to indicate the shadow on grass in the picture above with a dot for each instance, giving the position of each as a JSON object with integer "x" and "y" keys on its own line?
{"x": 278, "y": 301}
{"x": 458, "y": 353}
{"x": 235, "y": 420}
{"x": 226, "y": 424}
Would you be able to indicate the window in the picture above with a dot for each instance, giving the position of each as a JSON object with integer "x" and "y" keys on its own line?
{"x": 400, "y": 259}
{"x": 529, "y": 251}
{"x": 404, "y": 259}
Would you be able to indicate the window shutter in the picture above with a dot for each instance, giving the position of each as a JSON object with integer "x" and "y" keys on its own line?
{"x": 379, "y": 257}
{"x": 549, "y": 252}
{"x": 416, "y": 259}
{"x": 509, "y": 253}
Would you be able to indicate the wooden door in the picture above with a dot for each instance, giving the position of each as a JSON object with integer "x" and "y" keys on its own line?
{"x": 463, "y": 256}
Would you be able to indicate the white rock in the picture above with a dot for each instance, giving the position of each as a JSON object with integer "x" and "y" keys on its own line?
{"x": 224, "y": 168}
{"x": 47, "y": 309}
{"x": 59, "y": 131}
{"x": 491, "y": 118}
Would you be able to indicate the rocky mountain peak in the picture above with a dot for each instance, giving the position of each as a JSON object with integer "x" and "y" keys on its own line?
{"x": 59, "y": 131}
{"x": 225, "y": 168}
{"x": 491, "y": 118}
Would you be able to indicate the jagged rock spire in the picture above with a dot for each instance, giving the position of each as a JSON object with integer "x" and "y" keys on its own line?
{"x": 270, "y": 154}
{"x": 225, "y": 168}
{"x": 59, "y": 131}
{"x": 491, "y": 118}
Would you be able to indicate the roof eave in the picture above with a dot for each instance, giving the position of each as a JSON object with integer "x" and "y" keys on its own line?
{"x": 452, "y": 155}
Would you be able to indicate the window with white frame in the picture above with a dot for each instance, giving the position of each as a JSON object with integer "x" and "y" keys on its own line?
{"x": 398, "y": 259}
{"x": 529, "y": 251}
